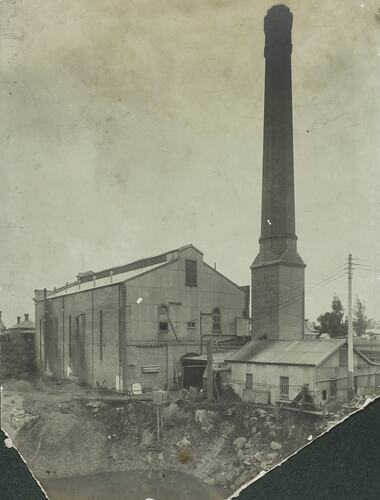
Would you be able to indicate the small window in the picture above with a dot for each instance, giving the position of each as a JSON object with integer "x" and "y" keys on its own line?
{"x": 324, "y": 395}
{"x": 284, "y": 387}
{"x": 333, "y": 388}
{"x": 191, "y": 324}
{"x": 191, "y": 273}
{"x": 216, "y": 324}
{"x": 163, "y": 320}
{"x": 343, "y": 357}
{"x": 249, "y": 381}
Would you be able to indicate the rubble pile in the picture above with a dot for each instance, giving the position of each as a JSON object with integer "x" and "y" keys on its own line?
{"x": 224, "y": 443}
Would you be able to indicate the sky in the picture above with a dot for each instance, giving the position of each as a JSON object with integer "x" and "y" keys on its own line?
{"x": 129, "y": 128}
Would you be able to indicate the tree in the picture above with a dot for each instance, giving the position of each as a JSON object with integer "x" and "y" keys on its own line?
{"x": 332, "y": 322}
{"x": 360, "y": 320}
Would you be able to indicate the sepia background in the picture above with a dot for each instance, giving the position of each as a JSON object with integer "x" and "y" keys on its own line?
{"x": 132, "y": 127}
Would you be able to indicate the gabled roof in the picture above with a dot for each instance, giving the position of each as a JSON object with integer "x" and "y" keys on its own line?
{"x": 288, "y": 352}
{"x": 119, "y": 273}
{"x": 113, "y": 275}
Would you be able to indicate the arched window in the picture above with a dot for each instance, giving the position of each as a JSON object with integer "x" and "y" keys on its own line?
{"x": 163, "y": 319}
{"x": 216, "y": 320}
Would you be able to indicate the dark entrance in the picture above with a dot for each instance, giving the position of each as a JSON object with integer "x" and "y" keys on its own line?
{"x": 192, "y": 372}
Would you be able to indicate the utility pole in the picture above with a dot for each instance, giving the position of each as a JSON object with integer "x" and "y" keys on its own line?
{"x": 210, "y": 373}
{"x": 350, "y": 388}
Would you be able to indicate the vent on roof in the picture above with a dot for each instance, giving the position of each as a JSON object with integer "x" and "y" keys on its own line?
{"x": 86, "y": 274}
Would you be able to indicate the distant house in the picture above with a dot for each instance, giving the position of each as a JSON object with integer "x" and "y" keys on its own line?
{"x": 310, "y": 332}
{"x": 22, "y": 329}
{"x": 274, "y": 371}
{"x": 137, "y": 323}
{"x": 369, "y": 344}
{"x": 17, "y": 348}
{"x": 373, "y": 333}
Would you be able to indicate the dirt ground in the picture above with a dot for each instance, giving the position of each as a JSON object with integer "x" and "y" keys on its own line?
{"x": 225, "y": 443}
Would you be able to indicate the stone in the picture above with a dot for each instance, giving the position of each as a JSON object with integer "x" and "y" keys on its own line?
{"x": 275, "y": 446}
{"x": 146, "y": 438}
{"x": 261, "y": 413}
{"x": 273, "y": 456}
{"x": 259, "y": 456}
{"x": 212, "y": 416}
{"x": 239, "y": 442}
{"x": 183, "y": 443}
{"x": 201, "y": 418}
{"x": 170, "y": 412}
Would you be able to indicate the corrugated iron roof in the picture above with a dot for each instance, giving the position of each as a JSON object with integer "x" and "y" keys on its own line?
{"x": 119, "y": 278}
{"x": 288, "y": 352}
{"x": 217, "y": 357}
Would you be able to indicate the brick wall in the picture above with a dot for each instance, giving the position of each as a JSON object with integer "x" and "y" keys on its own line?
{"x": 17, "y": 355}
{"x": 277, "y": 302}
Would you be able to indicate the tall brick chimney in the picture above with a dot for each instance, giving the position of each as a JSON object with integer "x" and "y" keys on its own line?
{"x": 278, "y": 270}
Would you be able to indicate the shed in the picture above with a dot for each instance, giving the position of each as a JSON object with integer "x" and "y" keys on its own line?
{"x": 275, "y": 370}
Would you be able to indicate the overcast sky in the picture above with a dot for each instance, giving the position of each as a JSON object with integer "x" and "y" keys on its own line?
{"x": 129, "y": 128}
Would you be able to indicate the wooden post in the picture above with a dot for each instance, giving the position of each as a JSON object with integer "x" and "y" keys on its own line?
{"x": 158, "y": 423}
{"x": 350, "y": 333}
{"x": 200, "y": 333}
{"x": 210, "y": 374}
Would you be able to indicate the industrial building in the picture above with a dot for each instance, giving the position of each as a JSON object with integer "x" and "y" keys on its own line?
{"x": 137, "y": 323}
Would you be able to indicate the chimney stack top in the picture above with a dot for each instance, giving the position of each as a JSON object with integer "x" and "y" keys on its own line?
{"x": 26, "y": 316}
{"x": 18, "y": 319}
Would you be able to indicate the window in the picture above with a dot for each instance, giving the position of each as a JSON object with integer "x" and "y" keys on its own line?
{"x": 343, "y": 357}
{"x": 324, "y": 395}
{"x": 101, "y": 335}
{"x": 216, "y": 320}
{"x": 333, "y": 388}
{"x": 249, "y": 381}
{"x": 191, "y": 273}
{"x": 163, "y": 320}
{"x": 191, "y": 324}
{"x": 284, "y": 387}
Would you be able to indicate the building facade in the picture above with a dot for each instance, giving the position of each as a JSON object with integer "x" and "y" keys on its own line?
{"x": 136, "y": 323}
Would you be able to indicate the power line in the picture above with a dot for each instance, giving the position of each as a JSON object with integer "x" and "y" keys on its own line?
{"x": 307, "y": 291}
{"x": 301, "y": 288}
{"x": 327, "y": 280}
